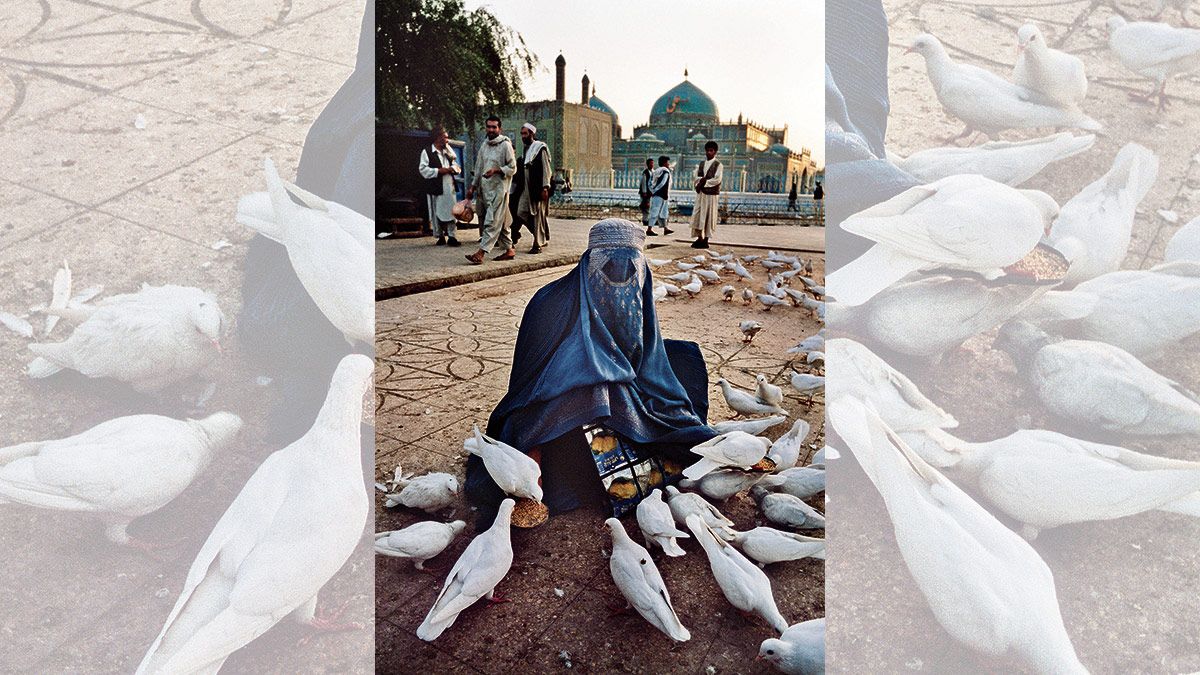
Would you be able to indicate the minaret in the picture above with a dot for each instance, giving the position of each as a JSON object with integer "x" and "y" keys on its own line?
{"x": 560, "y": 78}
{"x": 586, "y": 88}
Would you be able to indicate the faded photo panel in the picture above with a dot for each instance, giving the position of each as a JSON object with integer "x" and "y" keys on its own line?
{"x": 1012, "y": 358}
{"x": 600, "y": 300}
{"x": 187, "y": 329}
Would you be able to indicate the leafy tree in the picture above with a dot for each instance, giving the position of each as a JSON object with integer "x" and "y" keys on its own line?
{"x": 437, "y": 63}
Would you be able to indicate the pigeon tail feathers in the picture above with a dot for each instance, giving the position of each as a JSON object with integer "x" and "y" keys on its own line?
{"x": 864, "y": 277}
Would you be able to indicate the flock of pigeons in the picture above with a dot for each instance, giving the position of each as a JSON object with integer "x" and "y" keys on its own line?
{"x": 250, "y": 573}
{"x": 735, "y": 461}
{"x": 970, "y": 254}
{"x": 777, "y": 292}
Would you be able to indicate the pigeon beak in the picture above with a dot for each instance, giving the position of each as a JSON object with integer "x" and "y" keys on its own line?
{"x": 217, "y": 346}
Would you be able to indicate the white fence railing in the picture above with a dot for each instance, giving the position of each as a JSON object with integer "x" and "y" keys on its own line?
{"x": 735, "y": 180}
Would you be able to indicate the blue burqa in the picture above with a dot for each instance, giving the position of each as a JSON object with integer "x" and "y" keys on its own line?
{"x": 589, "y": 350}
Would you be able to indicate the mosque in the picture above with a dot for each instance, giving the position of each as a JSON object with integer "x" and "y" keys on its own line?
{"x": 587, "y": 147}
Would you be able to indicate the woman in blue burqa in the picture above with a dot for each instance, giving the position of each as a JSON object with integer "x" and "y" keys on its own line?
{"x": 606, "y": 406}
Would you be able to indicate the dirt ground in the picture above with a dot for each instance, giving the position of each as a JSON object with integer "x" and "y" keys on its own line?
{"x": 1127, "y": 588}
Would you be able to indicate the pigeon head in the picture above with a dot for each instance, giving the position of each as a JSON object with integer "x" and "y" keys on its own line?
{"x": 760, "y": 379}
{"x": 772, "y": 650}
{"x": 208, "y": 320}
{"x": 458, "y": 526}
{"x": 924, "y": 44}
{"x": 220, "y": 427}
{"x": 672, "y": 490}
{"x": 614, "y": 527}
{"x": 504, "y": 514}
{"x": 1044, "y": 203}
{"x": 452, "y": 484}
{"x": 1115, "y": 22}
{"x": 1029, "y": 37}
{"x": 1021, "y": 339}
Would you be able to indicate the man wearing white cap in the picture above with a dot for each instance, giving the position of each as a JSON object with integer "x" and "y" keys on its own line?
{"x": 495, "y": 164}
{"x": 531, "y": 188}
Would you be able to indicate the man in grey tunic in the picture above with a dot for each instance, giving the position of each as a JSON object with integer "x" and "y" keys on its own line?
{"x": 532, "y": 188}
{"x": 660, "y": 194}
{"x": 438, "y": 166}
{"x": 495, "y": 164}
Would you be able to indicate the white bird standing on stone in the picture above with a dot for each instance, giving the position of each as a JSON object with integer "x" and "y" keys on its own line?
{"x": 744, "y": 585}
{"x": 431, "y": 492}
{"x": 672, "y": 290}
{"x": 680, "y": 277}
{"x": 749, "y": 329}
{"x": 638, "y": 578}
{"x": 151, "y": 339}
{"x": 119, "y": 470}
{"x": 709, "y": 276}
{"x": 785, "y": 451}
{"x": 742, "y": 272}
{"x": 1155, "y": 51}
{"x": 986, "y": 102}
{"x": 753, "y": 427}
{"x": 1098, "y": 385}
{"x": 722, "y": 484}
{"x": 1185, "y": 244}
{"x": 686, "y": 266}
{"x": 963, "y": 222}
{"x": 516, "y": 473}
{"x": 985, "y": 585}
{"x": 800, "y": 650}
{"x": 1008, "y": 162}
{"x": 734, "y": 450}
{"x": 770, "y": 301}
{"x": 288, "y": 531}
{"x": 657, "y": 262}
{"x": 418, "y": 542}
{"x": 693, "y": 287}
{"x": 325, "y": 245}
{"x": 684, "y": 504}
{"x": 744, "y": 403}
{"x": 1044, "y": 479}
{"x": 812, "y": 343}
{"x": 808, "y": 385}
{"x": 1094, "y": 228}
{"x": 481, "y": 567}
{"x": 768, "y": 546}
{"x": 727, "y": 292}
{"x": 1054, "y": 76}
{"x": 657, "y": 525}
{"x": 765, "y": 392}
{"x": 660, "y": 291}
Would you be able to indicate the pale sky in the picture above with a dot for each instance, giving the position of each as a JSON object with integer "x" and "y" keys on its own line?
{"x": 763, "y": 58}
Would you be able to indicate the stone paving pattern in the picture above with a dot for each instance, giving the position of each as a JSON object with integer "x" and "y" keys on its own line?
{"x": 1127, "y": 588}
{"x": 443, "y": 363}
{"x": 220, "y": 84}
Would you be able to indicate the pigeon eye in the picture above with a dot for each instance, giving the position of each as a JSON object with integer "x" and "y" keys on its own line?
{"x": 643, "y": 561}
{"x": 770, "y": 652}
{"x": 204, "y": 304}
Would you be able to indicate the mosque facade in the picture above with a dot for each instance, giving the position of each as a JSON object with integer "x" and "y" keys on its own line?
{"x": 587, "y": 148}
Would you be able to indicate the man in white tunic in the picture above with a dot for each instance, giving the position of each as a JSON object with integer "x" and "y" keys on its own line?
{"x": 708, "y": 196}
{"x": 660, "y": 190}
{"x": 531, "y": 188}
{"x": 438, "y": 166}
{"x": 495, "y": 164}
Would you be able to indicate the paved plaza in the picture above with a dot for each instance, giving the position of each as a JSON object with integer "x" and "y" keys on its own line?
{"x": 129, "y": 131}
{"x": 443, "y": 363}
{"x": 1127, "y": 588}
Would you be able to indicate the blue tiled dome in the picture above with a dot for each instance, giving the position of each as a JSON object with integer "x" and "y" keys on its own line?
{"x": 684, "y": 102}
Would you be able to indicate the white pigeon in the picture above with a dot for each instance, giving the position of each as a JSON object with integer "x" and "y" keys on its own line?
{"x": 1155, "y": 51}
{"x": 686, "y": 266}
{"x": 709, "y": 276}
{"x": 768, "y": 546}
{"x": 722, "y": 258}
{"x": 657, "y": 262}
{"x": 772, "y": 264}
{"x": 699, "y": 258}
{"x": 290, "y": 529}
{"x": 638, "y": 578}
{"x": 749, "y": 329}
{"x": 660, "y": 292}
{"x": 749, "y": 259}
{"x": 747, "y": 296}
{"x": 770, "y": 301}
{"x": 801, "y": 482}
{"x": 1044, "y": 479}
{"x": 727, "y": 292}
{"x": 481, "y": 567}
{"x": 1008, "y": 162}
{"x": 985, "y": 585}
{"x": 734, "y": 450}
{"x": 1185, "y": 244}
{"x": 784, "y": 509}
{"x": 672, "y": 290}
{"x": 684, "y": 504}
{"x": 326, "y": 246}
{"x": 765, "y": 392}
{"x": 785, "y": 451}
{"x": 430, "y": 493}
{"x": 151, "y": 339}
{"x": 751, "y": 426}
{"x": 693, "y": 287}
{"x": 1054, "y": 76}
{"x": 1093, "y": 229}
{"x": 744, "y": 403}
{"x": 986, "y": 102}
{"x": 807, "y": 384}
{"x": 744, "y": 585}
{"x": 800, "y": 650}
{"x": 680, "y": 277}
{"x": 742, "y": 271}
{"x": 657, "y": 525}
{"x": 516, "y": 473}
{"x": 418, "y": 542}
{"x": 1099, "y": 386}
{"x": 812, "y": 343}
{"x": 1144, "y": 312}
{"x": 119, "y": 470}
{"x": 815, "y": 359}
{"x": 962, "y": 222}
{"x": 722, "y": 484}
